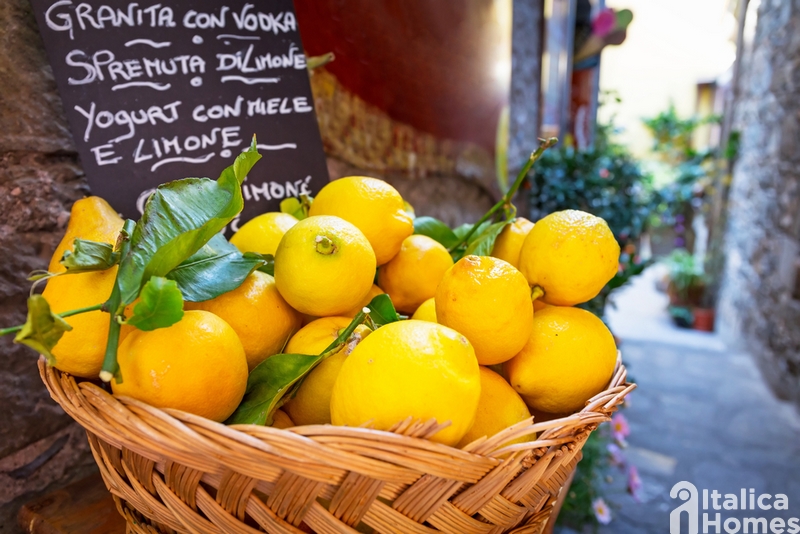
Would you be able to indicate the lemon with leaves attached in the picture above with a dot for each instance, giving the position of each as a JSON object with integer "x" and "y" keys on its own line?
{"x": 373, "y": 206}
{"x": 570, "y": 255}
{"x": 568, "y": 359}
{"x": 411, "y": 277}
{"x": 509, "y": 243}
{"x": 408, "y": 369}
{"x": 197, "y": 365}
{"x": 312, "y": 404}
{"x": 80, "y": 351}
{"x": 92, "y": 219}
{"x": 374, "y": 291}
{"x": 324, "y": 266}
{"x": 489, "y": 301}
{"x": 257, "y": 313}
{"x": 263, "y": 233}
{"x": 499, "y": 408}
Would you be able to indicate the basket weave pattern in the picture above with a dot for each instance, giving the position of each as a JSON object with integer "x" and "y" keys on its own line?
{"x": 170, "y": 471}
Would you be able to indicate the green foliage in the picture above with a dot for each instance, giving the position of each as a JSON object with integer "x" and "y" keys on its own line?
{"x": 672, "y": 135}
{"x": 218, "y": 267}
{"x": 685, "y": 272}
{"x": 604, "y": 180}
{"x": 43, "y": 328}
{"x": 381, "y": 311}
{"x": 483, "y": 244}
{"x": 179, "y": 219}
{"x": 297, "y": 207}
{"x": 688, "y": 168}
{"x": 273, "y": 380}
{"x": 88, "y": 256}
{"x": 436, "y": 230}
{"x": 160, "y": 305}
{"x": 577, "y": 509}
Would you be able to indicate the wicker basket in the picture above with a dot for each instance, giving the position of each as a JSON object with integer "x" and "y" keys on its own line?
{"x": 170, "y": 471}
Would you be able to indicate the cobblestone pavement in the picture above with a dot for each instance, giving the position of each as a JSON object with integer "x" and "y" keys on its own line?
{"x": 703, "y": 414}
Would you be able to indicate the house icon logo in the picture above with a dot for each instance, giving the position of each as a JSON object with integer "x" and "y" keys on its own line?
{"x": 686, "y": 492}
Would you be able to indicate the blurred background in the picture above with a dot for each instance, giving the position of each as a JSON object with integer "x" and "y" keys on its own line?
{"x": 678, "y": 123}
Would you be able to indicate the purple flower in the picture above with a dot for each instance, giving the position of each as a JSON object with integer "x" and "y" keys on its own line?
{"x": 634, "y": 483}
{"x": 601, "y": 511}
{"x": 679, "y": 242}
{"x": 615, "y": 452}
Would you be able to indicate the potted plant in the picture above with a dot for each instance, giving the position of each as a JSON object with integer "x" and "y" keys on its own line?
{"x": 686, "y": 290}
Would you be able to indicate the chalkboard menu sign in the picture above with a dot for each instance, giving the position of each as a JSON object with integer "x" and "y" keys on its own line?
{"x": 156, "y": 91}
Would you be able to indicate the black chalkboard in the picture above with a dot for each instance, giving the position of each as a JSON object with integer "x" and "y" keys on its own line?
{"x": 156, "y": 91}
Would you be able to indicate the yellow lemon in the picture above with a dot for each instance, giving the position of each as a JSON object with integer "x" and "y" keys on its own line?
{"x": 197, "y": 365}
{"x": 489, "y": 301}
{"x": 92, "y": 219}
{"x": 263, "y": 233}
{"x": 324, "y": 266}
{"x": 568, "y": 359}
{"x": 312, "y": 404}
{"x": 407, "y": 369}
{"x": 374, "y": 206}
{"x": 411, "y": 277}
{"x": 509, "y": 243}
{"x": 570, "y": 255}
{"x": 81, "y": 350}
{"x": 281, "y": 420}
{"x": 257, "y": 313}
{"x": 374, "y": 291}
{"x": 498, "y": 408}
{"x": 426, "y": 311}
{"x": 539, "y": 304}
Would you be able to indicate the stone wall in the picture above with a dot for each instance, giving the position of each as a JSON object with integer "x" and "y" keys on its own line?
{"x": 40, "y": 178}
{"x": 756, "y": 307}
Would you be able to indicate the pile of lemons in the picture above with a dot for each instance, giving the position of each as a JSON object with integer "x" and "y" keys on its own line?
{"x": 490, "y": 339}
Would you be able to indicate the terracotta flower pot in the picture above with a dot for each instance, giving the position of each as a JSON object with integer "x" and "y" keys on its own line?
{"x": 703, "y": 319}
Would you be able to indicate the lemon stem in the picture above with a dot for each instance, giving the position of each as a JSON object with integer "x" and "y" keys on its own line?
{"x": 115, "y": 306}
{"x": 536, "y": 293}
{"x": 325, "y": 245}
{"x": 544, "y": 144}
{"x": 12, "y": 329}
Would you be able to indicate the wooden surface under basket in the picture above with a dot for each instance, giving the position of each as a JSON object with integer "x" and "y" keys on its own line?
{"x": 170, "y": 471}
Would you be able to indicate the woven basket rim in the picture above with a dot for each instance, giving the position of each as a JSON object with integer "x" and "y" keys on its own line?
{"x": 410, "y": 434}
{"x": 172, "y": 470}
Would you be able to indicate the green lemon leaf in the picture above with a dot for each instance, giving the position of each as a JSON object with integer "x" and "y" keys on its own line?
{"x": 292, "y": 206}
{"x": 178, "y": 219}
{"x": 266, "y": 386}
{"x": 297, "y": 207}
{"x": 484, "y": 243}
{"x": 218, "y": 267}
{"x": 461, "y": 231}
{"x": 160, "y": 305}
{"x": 276, "y": 378}
{"x": 88, "y": 256}
{"x": 436, "y": 230}
{"x": 267, "y": 259}
{"x": 43, "y": 328}
{"x": 382, "y": 311}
